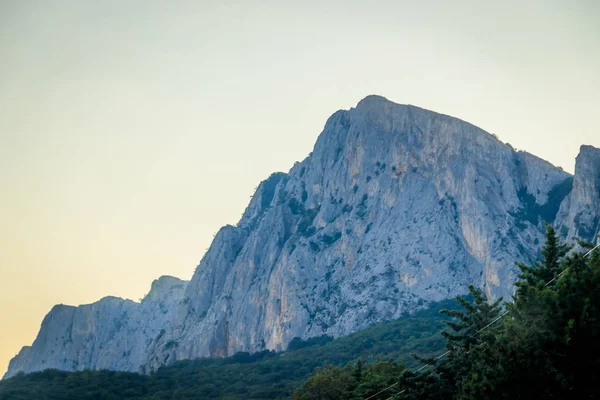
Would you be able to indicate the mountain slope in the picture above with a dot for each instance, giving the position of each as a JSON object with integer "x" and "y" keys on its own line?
{"x": 395, "y": 207}
{"x": 267, "y": 375}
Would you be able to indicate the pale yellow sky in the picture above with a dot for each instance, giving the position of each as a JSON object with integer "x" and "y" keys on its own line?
{"x": 130, "y": 131}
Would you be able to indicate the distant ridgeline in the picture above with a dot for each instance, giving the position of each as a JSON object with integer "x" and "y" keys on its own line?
{"x": 263, "y": 375}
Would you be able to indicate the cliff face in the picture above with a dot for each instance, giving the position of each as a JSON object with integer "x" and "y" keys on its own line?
{"x": 579, "y": 215}
{"x": 110, "y": 334}
{"x": 395, "y": 207}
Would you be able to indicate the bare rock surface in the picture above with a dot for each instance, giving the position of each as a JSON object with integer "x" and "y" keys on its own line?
{"x": 396, "y": 207}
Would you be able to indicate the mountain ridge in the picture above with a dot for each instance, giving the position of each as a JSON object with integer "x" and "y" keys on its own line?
{"x": 395, "y": 207}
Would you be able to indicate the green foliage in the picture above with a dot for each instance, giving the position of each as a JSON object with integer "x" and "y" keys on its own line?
{"x": 536, "y": 276}
{"x": 295, "y": 206}
{"x": 171, "y": 344}
{"x": 555, "y": 197}
{"x": 362, "y": 207}
{"x": 305, "y": 227}
{"x": 268, "y": 188}
{"x": 304, "y": 195}
{"x": 297, "y": 343}
{"x": 53, "y": 384}
{"x": 328, "y": 240}
{"x": 264, "y": 375}
{"x": 347, "y": 208}
{"x": 327, "y": 383}
{"x": 545, "y": 347}
{"x": 531, "y": 211}
{"x": 314, "y": 246}
{"x": 349, "y": 382}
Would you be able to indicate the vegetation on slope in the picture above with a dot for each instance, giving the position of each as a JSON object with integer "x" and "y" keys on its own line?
{"x": 265, "y": 375}
{"x": 544, "y": 347}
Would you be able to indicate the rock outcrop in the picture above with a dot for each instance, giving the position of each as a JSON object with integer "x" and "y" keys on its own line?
{"x": 112, "y": 333}
{"x": 579, "y": 215}
{"x": 395, "y": 207}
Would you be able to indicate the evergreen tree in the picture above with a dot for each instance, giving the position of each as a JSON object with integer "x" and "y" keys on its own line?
{"x": 377, "y": 377}
{"x": 523, "y": 346}
{"x": 548, "y": 268}
{"x": 327, "y": 383}
{"x": 549, "y": 348}
{"x": 467, "y": 332}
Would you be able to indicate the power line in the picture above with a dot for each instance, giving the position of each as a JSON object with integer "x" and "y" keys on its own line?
{"x": 475, "y": 334}
{"x": 384, "y": 390}
{"x": 565, "y": 270}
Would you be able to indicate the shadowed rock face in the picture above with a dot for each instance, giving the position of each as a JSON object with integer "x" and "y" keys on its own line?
{"x": 395, "y": 207}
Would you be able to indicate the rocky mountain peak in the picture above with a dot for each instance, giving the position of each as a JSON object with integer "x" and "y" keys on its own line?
{"x": 166, "y": 288}
{"x": 395, "y": 207}
{"x": 587, "y": 151}
{"x": 374, "y": 103}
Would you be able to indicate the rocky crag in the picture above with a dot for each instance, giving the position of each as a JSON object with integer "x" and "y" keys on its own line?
{"x": 395, "y": 207}
{"x": 110, "y": 334}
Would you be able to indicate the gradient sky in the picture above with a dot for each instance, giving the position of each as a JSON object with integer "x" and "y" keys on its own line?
{"x": 130, "y": 131}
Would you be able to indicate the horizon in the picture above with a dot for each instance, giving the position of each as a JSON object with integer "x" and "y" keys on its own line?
{"x": 132, "y": 132}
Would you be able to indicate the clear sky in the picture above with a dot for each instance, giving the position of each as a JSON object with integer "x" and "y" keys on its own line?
{"x": 130, "y": 131}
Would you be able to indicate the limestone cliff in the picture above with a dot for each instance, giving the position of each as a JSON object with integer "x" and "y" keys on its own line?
{"x": 395, "y": 207}
{"x": 579, "y": 215}
{"x": 110, "y": 334}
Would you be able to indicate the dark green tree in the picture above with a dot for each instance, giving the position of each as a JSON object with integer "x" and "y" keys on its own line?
{"x": 468, "y": 333}
{"x": 327, "y": 383}
{"x": 549, "y": 348}
{"x": 376, "y": 377}
{"x": 543, "y": 271}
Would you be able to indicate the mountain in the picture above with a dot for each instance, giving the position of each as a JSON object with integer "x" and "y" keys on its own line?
{"x": 267, "y": 375}
{"x": 396, "y": 207}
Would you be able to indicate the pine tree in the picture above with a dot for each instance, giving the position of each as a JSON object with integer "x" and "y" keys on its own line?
{"x": 540, "y": 273}
{"x": 549, "y": 348}
{"x": 467, "y": 332}
{"x": 358, "y": 370}
{"x": 546, "y": 347}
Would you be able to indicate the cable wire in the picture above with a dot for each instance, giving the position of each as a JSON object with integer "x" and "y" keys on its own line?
{"x": 475, "y": 334}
